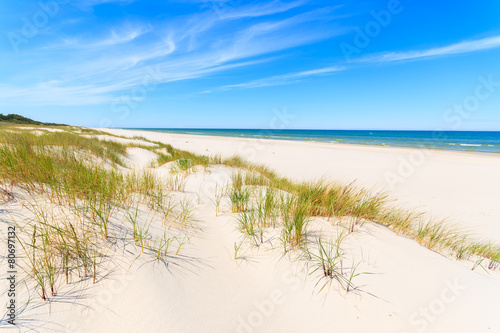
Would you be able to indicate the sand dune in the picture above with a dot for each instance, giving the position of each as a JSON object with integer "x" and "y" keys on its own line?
{"x": 205, "y": 289}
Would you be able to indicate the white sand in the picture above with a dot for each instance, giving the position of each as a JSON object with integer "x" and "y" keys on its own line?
{"x": 462, "y": 187}
{"x": 204, "y": 289}
{"x": 139, "y": 158}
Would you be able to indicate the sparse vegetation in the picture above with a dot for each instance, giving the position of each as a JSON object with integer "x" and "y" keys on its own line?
{"x": 217, "y": 199}
{"x": 74, "y": 191}
{"x": 77, "y": 192}
{"x": 347, "y": 205}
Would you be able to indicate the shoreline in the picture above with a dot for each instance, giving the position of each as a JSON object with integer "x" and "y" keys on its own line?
{"x": 313, "y": 141}
{"x": 307, "y": 141}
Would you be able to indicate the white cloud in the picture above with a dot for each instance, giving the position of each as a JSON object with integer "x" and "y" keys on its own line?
{"x": 124, "y": 36}
{"x": 116, "y": 36}
{"x": 279, "y": 80}
{"x": 235, "y": 9}
{"x": 197, "y": 45}
{"x": 270, "y": 36}
{"x": 458, "y": 48}
{"x": 89, "y": 4}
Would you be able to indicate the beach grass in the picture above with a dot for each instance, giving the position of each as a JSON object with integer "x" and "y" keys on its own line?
{"x": 75, "y": 188}
{"x": 353, "y": 206}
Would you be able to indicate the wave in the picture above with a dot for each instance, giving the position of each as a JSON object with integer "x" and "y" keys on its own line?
{"x": 457, "y": 141}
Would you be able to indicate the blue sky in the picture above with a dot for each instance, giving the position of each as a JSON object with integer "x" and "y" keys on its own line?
{"x": 241, "y": 64}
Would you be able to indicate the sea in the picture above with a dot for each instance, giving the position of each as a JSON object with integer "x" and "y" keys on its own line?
{"x": 471, "y": 141}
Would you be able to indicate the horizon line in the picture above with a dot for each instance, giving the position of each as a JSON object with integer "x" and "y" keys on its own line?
{"x": 297, "y": 129}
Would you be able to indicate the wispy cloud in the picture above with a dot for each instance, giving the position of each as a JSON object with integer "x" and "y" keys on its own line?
{"x": 279, "y": 80}
{"x": 115, "y": 36}
{"x": 89, "y": 4}
{"x": 124, "y": 36}
{"x": 458, "y": 48}
{"x": 70, "y": 92}
{"x": 192, "y": 46}
{"x": 274, "y": 35}
{"x": 227, "y": 10}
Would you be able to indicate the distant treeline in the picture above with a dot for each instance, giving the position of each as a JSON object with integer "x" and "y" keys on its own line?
{"x": 18, "y": 119}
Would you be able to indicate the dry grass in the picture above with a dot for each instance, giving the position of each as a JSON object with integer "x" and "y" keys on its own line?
{"x": 347, "y": 202}
{"x": 73, "y": 204}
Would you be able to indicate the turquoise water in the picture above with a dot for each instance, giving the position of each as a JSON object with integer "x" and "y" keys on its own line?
{"x": 487, "y": 142}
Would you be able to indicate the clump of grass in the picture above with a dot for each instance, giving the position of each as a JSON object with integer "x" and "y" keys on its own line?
{"x": 186, "y": 212}
{"x": 55, "y": 246}
{"x": 237, "y": 180}
{"x": 247, "y": 225}
{"x": 237, "y": 248}
{"x": 101, "y": 215}
{"x": 162, "y": 245}
{"x": 177, "y": 183}
{"x": 398, "y": 220}
{"x": 218, "y": 196}
{"x": 142, "y": 235}
{"x": 240, "y": 198}
{"x": 167, "y": 208}
{"x": 180, "y": 243}
{"x": 205, "y": 162}
{"x": 183, "y": 165}
{"x": 295, "y": 221}
{"x": 216, "y": 159}
{"x": 257, "y": 179}
{"x": 434, "y": 235}
{"x": 328, "y": 259}
{"x": 267, "y": 208}
{"x": 132, "y": 218}
{"x": 494, "y": 262}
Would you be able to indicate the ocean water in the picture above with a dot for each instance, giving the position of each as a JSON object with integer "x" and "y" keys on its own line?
{"x": 486, "y": 142}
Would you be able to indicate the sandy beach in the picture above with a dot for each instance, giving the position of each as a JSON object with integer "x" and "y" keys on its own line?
{"x": 219, "y": 282}
{"x": 461, "y": 187}
{"x": 225, "y": 166}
